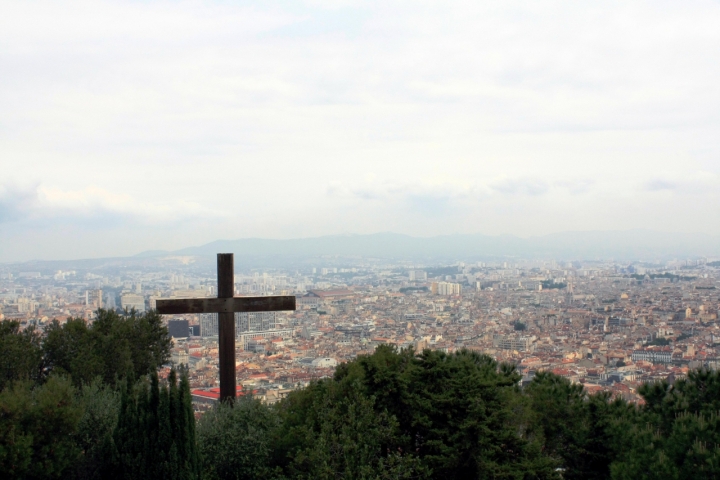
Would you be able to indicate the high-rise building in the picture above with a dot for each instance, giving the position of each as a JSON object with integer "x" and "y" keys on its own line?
{"x": 208, "y": 325}
{"x": 254, "y": 321}
{"x": 93, "y": 298}
{"x": 110, "y": 301}
{"x": 417, "y": 275}
{"x": 244, "y": 322}
{"x": 130, "y": 300}
{"x": 445, "y": 288}
{"x": 179, "y": 328}
{"x": 512, "y": 342}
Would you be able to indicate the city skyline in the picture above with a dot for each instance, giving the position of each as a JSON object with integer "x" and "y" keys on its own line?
{"x": 605, "y": 325}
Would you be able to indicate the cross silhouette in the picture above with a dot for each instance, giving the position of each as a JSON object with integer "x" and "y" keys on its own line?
{"x": 225, "y": 305}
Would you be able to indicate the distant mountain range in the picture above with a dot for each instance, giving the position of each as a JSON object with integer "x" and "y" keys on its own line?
{"x": 622, "y": 245}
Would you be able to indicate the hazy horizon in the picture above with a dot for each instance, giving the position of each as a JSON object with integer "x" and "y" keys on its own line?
{"x": 133, "y": 126}
{"x": 627, "y": 246}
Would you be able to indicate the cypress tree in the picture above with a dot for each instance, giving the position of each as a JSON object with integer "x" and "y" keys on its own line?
{"x": 174, "y": 458}
{"x": 155, "y": 434}
{"x": 186, "y": 433}
{"x": 152, "y": 424}
{"x": 164, "y": 432}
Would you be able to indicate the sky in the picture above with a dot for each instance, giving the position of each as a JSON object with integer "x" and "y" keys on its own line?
{"x": 137, "y": 125}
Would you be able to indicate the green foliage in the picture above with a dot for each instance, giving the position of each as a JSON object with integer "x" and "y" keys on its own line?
{"x": 101, "y": 409}
{"x": 37, "y": 426}
{"x": 464, "y": 417}
{"x": 519, "y": 326}
{"x": 112, "y": 347}
{"x": 20, "y": 354}
{"x": 433, "y": 414}
{"x": 677, "y": 433}
{"x": 683, "y": 336}
{"x": 155, "y": 435}
{"x": 689, "y": 450}
{"x": 660, "y": 341}
{"x": 579, "y": 430}
{"x": 62, "y": 414}
{"x": 332, "y": 430}
{"x": 234, "y": 440}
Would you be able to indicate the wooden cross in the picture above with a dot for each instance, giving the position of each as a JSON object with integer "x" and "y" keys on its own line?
{"x": 225, "y": 305}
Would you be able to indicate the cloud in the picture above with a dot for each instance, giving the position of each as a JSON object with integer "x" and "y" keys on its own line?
{"x": 93, "y": 205}
{"x": 521, "y": 186}
{"x": 684, "y": 183}
{"x": 16, "y": 202}
{"x": 433, "y": 194}
{"x": 658, "y": 184}
{"x": 386, "y": 191}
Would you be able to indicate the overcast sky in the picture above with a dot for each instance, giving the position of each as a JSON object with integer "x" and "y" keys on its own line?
{"x": 129, "y": 126}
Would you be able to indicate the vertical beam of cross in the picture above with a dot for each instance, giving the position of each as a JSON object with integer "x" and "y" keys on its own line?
{"x": 226, "y": 327}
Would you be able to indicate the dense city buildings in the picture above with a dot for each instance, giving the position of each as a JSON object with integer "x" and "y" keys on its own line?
{"x": 607, "y": 325}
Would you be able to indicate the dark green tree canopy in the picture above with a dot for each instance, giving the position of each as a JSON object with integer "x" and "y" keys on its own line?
{"x": 112, "y": 347}
{"x": 21, "y": 354}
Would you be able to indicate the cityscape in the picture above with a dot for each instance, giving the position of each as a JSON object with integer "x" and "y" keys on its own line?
{"x": 607, "y": 325}
{"x": 325, "y": 240}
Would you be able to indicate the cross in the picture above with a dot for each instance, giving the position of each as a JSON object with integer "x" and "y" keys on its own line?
{"x": 225, "y": 305}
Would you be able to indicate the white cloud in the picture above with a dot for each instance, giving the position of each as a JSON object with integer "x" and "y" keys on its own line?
{"x": 42, "y": 204}
{"x": 683, "y": 183}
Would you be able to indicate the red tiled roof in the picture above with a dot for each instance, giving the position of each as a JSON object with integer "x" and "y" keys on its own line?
{"x": 215, "y": 392}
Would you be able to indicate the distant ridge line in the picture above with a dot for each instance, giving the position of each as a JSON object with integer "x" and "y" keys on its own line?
{"x": 630, "y": 244}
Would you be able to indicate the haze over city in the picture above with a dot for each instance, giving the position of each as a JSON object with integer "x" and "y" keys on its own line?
{"x": 134, "y": 126}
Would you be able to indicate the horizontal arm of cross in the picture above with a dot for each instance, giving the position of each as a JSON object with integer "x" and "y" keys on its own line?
{"x": 225, "y": 305}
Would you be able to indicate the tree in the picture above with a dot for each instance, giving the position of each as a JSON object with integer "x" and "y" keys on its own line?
{"x": 579, "y": 430}
{"x": 519, "y": 326}
{"x": 101, "y": 409}
{"x": 452, "y": 416}
{"x": 468, "y": 420}
{"x": 155, "y": 435}
{"x": 234, "y": 440}
{"x": 72, "y": 349}
{"x": 51, "y": 429}
{"x": 677, "y": 432}
{"x": 690, "y": 450}
{"x": 20, "y": 354}
{"x": 332, "y": 430}
{"x": 112, "y": 347}
{"x": 37, "y": 424}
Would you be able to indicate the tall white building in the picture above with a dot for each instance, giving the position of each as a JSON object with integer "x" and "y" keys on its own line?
{"x": 244, "y": 322}
{"x": 131, "y": 300}
{"x": 446, "y": 288}
{"x": 417, "y": 275}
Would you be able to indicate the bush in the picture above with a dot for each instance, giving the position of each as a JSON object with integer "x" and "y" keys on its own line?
{"x": 21, "y": 355}
{"x": 234, "y": 441}
{"x": 37, "y": 429}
